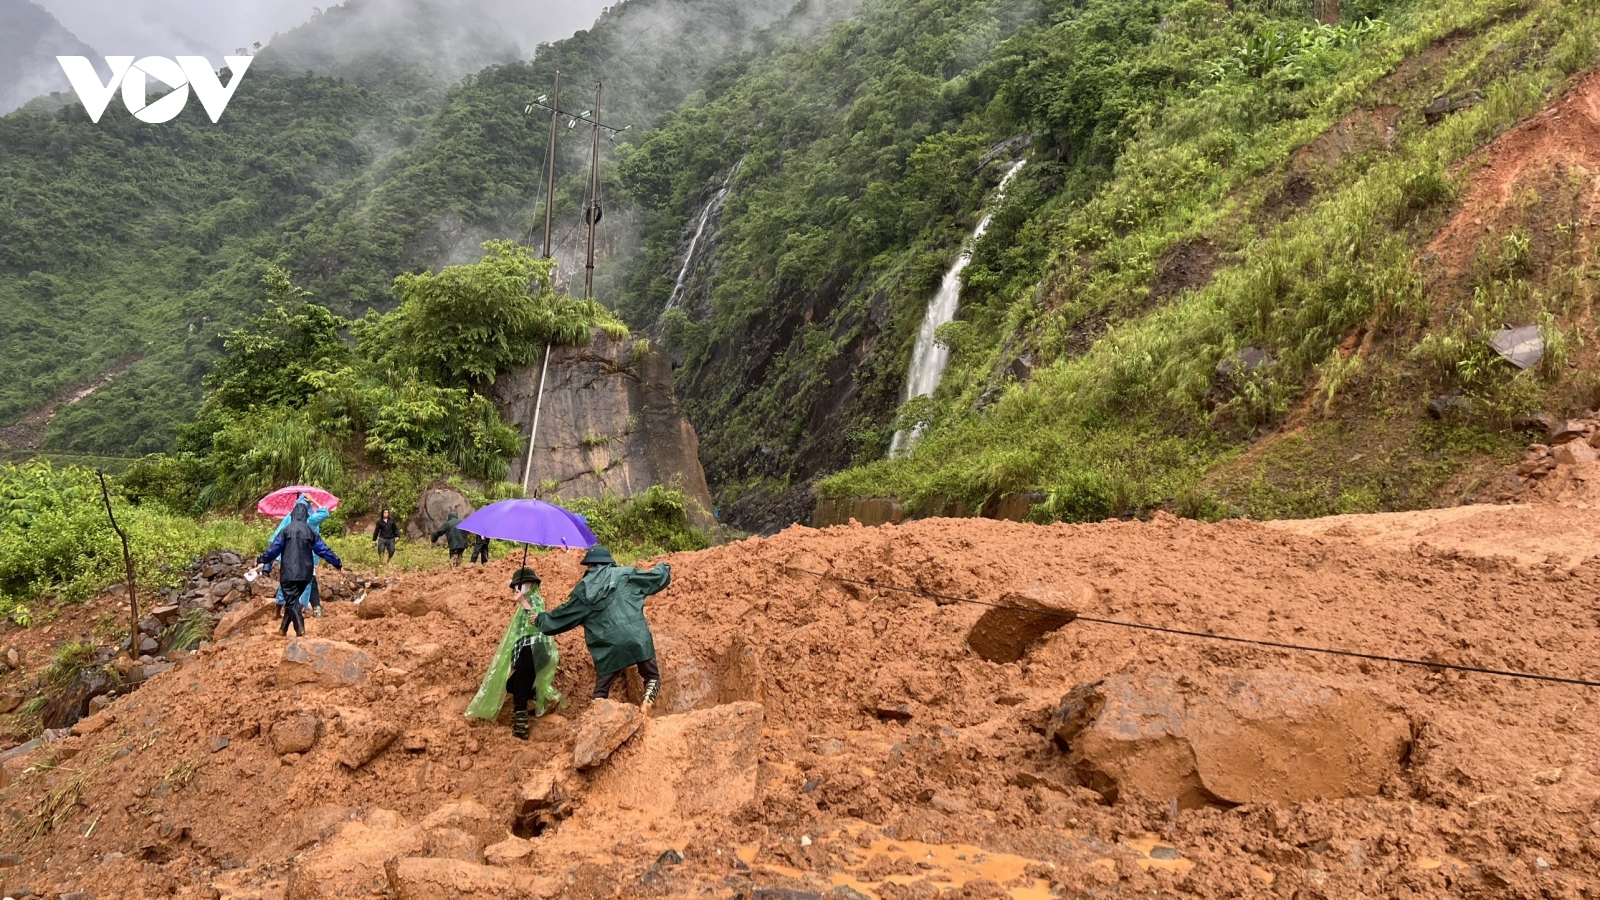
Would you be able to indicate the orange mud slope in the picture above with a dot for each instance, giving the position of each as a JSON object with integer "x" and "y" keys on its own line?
{"x": 889, "y": 759}
{"x": 1563, "y": 139}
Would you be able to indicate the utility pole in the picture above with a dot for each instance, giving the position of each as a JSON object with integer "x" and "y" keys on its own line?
{"x": 550, "y": 198}
{"x": 593, "y": 215}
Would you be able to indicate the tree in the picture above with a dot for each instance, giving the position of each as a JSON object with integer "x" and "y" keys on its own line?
{"x": 269, "y": 358}
{"x": 466, "y": 324}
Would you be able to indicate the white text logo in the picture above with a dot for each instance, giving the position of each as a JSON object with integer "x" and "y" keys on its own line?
{"x": 134, "y": 79}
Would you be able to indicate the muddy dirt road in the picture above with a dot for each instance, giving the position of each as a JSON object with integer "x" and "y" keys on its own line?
{"x": 835, "y": 739}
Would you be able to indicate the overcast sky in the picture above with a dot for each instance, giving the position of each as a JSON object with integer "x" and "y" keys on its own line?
{"x": 214, "y": 29}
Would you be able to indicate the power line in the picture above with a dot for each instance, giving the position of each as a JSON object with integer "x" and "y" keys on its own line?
{"x": 1205, "y": 635}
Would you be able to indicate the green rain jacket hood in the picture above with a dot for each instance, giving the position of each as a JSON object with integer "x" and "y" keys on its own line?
{"x": 609, "y": 604}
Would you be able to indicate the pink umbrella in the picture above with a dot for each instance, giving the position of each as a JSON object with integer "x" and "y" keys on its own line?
{"x": 281, "y": 501}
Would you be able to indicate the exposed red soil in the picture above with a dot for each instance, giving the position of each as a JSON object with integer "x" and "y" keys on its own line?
{"x": 962, "y": 776}
{"x": 1559, "y": 143}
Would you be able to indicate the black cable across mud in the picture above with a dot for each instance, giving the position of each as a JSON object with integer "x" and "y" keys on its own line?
{"x": 1205, "y": 635}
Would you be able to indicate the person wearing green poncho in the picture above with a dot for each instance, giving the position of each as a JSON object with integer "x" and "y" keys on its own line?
{"x": 609, "y": 603}
{"x": 524, "y": 665}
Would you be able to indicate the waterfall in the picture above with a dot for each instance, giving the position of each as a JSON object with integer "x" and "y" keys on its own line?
{"x": 930, "y": 357}
{"x": 706, "y": 213}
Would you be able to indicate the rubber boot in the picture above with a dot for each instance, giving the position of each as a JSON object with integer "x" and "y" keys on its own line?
{"x": 519, "y": 724}
{"x": 651, "y": 689}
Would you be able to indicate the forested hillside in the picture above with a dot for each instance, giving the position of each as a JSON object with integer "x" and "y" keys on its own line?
{"x": 137, "y": 246}
{"x": 30, "y": 41}
{"x": 1221, "y": 234}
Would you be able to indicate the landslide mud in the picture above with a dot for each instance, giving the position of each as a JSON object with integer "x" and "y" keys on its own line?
{"x": 887, "y": 750}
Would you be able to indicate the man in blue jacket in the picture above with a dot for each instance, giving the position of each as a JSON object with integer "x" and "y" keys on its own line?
{"x": 317, "y": 516}
{"x": 299, "y": 546}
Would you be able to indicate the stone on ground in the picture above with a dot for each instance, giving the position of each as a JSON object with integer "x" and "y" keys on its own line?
{"x": 328, "y": 663}
{"x": 453, "y": 843}
{"x": 700, "y": 763}
{"x": 296, "y": 734}
{"x": 245, "y": 617}
{"x": 365, "y": 740}
{"x": 511, "y": 852}
{"x": 1234, "y": 738}
{"x": 432, "y": 879}
{"x": 1006, "y": 632}
{"x": 604, "y": 728}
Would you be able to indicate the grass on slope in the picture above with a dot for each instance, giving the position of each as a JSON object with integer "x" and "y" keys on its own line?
{"x": 1134, "y": 414}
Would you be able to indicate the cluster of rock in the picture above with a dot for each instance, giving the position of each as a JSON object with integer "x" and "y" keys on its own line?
{"x": 216, "y": 588}
{"x": 1569, "y": 442}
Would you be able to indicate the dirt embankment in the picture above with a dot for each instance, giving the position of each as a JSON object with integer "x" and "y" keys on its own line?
{"x": 817, "y": 736}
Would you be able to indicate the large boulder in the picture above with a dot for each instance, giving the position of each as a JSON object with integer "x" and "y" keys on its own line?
{"x": 609, "y": 424}
{"x": 434, "y": 507}
{"x": 1230, "y": 737}
{"x": 328, "y": 663}
{"x": 432, "y": 879}
{"x": 1010, "y": 628}
{"x": 684, "y": 767}
{"x": 602, "y": 730}
{"x": 351, "y": 862}
{"x": 248, "y": 616}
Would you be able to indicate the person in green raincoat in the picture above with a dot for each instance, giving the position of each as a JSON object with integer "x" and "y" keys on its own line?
{"x": 524, "y": 665}
{"x": 609, "y": 603}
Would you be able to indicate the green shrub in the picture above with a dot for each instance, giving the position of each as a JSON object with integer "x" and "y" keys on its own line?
{"x": 651, "y": 523}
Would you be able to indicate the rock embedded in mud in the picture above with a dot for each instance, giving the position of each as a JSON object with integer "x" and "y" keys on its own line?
{"x": 416, "y": 878}
{"x": 243, "y": 617}
{"x": 454, "y": 843}
{"x": 365, "y": 741}
{"x": 511, "y": 852}
{"x": 606, "y": 726}
{"x": 329, "y": 663}
{"x": 1572, "y": 453}
{"x": 1006, "y": 632}
{"x": 699, "y": 764}
{"x": 296, "y": 734}
{"x": 1228, "y": 738}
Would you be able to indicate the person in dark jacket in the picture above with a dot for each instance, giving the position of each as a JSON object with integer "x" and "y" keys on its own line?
{"x": 480, "y": 549}
{"x": 454, "y": 538}
{"x": 299, "y": 546}
{"x": 609, "y": 603}
{"x": 384, "y": 534}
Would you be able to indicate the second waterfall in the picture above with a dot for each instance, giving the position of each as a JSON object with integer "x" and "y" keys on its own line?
{"x": 929, "y": 357}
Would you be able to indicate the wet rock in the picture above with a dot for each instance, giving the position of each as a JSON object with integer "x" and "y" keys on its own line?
{"x": 1568, "y": 430}
{"x": 96, "y": 704}
{"x": 1006, "y": 632}
{"x": 13, "y": 658}
{"x": 603, "y": 729}
{"x": 296, "y": 734}
{"x": 148, "y": 644}
{"x": 513, "y": 851}
{"x": 364, "y": 741}
{"x": 93, "y": 724}
{"x": 893, "y": 712}
{"x": 1445, "y": 404}
{"x": 540, "y": 803}
{"x": 149, "y": 625}
{"x": 414, "y": 878}
{"x": 453, "y": 843}
{"x": 220, "y": 743}
{"x": 11, "y": 700}
{"x": 1574, "y": 452}
{"x": 244, "y": 617}
{"x": 398, "y": 603}
{"x": 329, "y": 663}
{"x": 697, "y": 764}
{"x": 1230, "y": 738}
{"x": 353, "y": 860}
{"x": 433, "y": 508}
{"x": 783, "y": 894}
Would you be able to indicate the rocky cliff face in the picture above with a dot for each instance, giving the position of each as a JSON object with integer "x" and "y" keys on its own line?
{"x": 609, "y": 424}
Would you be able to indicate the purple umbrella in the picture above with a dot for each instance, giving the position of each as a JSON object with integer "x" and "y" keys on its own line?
{"x": 531, "y": 522}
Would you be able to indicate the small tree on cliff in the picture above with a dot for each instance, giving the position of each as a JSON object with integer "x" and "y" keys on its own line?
{"x": 467, "y": 324}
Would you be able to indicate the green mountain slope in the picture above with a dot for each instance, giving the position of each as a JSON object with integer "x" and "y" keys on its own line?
{"x": 129, "y": 243}
{"x": 1201, "y": 179}
{"x": 30, "y": 41}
